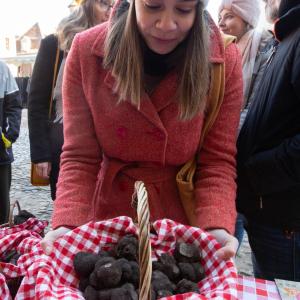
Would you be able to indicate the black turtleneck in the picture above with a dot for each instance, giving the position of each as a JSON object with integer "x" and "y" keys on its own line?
{"x": 156, "y": 66}
{"x": 160, "y": 64}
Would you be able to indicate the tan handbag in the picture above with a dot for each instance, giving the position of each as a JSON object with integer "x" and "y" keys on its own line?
{"x": 184, "y": 177}
{"x": 35, "y": 179}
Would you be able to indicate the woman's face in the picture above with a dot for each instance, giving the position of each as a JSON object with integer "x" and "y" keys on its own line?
{"x": 232, "y": 24}
{"x": 164, "y": 23}
{"x": 102, "y": 10}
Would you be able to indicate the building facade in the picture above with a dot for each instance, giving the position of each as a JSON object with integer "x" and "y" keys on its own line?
{"x": 19, "y": 52}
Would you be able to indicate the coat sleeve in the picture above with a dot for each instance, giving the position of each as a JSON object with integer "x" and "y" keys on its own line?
{"x": 81, "y": 156}
{"x": 12, "y": 109}
{"x": 278, "y": 169}
{"x": 215, "y": 187}
{"x": 39, "y": 100}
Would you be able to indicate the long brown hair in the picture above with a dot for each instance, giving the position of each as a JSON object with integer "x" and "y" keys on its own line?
{"x": 82, "y": 18}
{"x": 123, "y": 55}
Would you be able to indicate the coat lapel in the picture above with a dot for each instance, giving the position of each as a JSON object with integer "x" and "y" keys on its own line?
{"x": 147, "y": 107}
{"x": 165, "y": 93}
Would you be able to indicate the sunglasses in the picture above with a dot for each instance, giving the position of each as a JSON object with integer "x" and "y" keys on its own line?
{"x": 105, "y": 4}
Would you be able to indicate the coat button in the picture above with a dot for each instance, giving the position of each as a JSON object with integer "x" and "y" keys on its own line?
{"x": 122, "y": 132}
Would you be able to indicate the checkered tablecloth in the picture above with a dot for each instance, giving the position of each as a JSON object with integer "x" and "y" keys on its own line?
{"x": 4, "y": 292}
{"x": 250, "y": 288}
{"x": 23, "y": 238}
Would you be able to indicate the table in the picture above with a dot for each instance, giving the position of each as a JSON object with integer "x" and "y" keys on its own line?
{"x": 250, "y": 288}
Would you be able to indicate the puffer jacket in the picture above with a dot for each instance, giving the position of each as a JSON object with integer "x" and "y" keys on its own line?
{"x": 10, "y": 113}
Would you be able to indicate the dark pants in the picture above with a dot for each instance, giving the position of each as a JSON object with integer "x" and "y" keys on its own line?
{"x": 275, "y": 252}
{"x": 5, "y": 182}
{"x": 57, "y": 140}
{"x": 53, "y": 178}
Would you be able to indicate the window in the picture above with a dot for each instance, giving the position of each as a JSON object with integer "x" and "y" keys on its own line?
{"x": 7, "y": 43}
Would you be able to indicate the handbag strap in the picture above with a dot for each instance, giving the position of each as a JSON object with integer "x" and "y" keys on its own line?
{"x": 54, "y": 79}
{"x": 215, "y": 99}
{"x": 216, "y": 92}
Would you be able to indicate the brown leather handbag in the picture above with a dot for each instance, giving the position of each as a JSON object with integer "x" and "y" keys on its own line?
{"x": 36, "y": 179}
{"x": 185, "y": 176}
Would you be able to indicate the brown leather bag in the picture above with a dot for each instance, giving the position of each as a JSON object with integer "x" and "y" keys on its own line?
{"x": 184, "y": 177}
{"x": 36, "y": 179}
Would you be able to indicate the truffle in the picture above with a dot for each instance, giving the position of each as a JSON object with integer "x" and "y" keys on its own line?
{"x": 160, "y": 281}
{"x": 185, "y": 252}
{"x": 186, "y": 286}
{"x": 167, "y": 264}
{"x": 127, "y": 247}
{"x": 84, "y": 263}
{"x": 107, "y": 274}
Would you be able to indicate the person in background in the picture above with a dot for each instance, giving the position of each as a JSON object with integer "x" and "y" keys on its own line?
{"x": 240, "y": 19}
{"x": 10, "y": 120}
{"x": 46, "y": 136}
{"x": 269, "y": 154}
{"x": 135, "y": 92}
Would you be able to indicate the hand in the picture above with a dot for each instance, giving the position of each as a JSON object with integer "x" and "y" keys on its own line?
{"x": 51, "y": 237}
{"x": 43, "y": 169}
{"x": 229, "y": 244}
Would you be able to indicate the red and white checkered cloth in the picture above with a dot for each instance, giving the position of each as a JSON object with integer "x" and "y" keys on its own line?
{"x": 53, "y": 277}
{"x": 21, "y": 238}
{"x": 250, "y": 288}
{"x": 32, "y": 224}
{"x": 4, "y": 292}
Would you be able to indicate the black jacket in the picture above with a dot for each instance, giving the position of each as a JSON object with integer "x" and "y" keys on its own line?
{"x": 10, "y": 112}
{"x": 39, "y": 100}
{"x": 268, "y": 158}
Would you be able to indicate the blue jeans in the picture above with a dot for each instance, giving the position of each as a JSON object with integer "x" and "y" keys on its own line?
{"x": 240, "y": 228}
{"x": 275, "y": 253}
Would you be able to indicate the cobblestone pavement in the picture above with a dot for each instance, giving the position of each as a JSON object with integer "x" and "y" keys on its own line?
{"x": 37, "y": 200}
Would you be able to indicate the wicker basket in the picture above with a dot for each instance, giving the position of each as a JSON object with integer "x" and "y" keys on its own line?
{"x": 54, "y": 276}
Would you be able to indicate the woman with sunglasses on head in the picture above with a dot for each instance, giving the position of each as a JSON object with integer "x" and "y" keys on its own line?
{"x": 135, "y": 92}
{"x": 46, "y": 134}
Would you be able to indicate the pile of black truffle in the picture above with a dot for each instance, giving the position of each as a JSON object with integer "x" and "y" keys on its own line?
{"x": 114, "y": 274}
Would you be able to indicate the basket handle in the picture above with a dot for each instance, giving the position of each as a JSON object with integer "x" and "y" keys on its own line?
{"x": 140, "y": 200}
{"x": 11, "y": 214}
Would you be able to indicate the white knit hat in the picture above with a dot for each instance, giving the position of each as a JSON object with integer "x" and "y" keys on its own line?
{"x": 248, "y": 10}
{"x": 205, "y": 2}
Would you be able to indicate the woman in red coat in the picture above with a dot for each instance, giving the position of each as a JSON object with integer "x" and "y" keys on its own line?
{"x": 134, "y": 95}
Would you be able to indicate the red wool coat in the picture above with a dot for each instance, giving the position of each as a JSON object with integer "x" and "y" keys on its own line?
{"x": 108, "y": 146}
